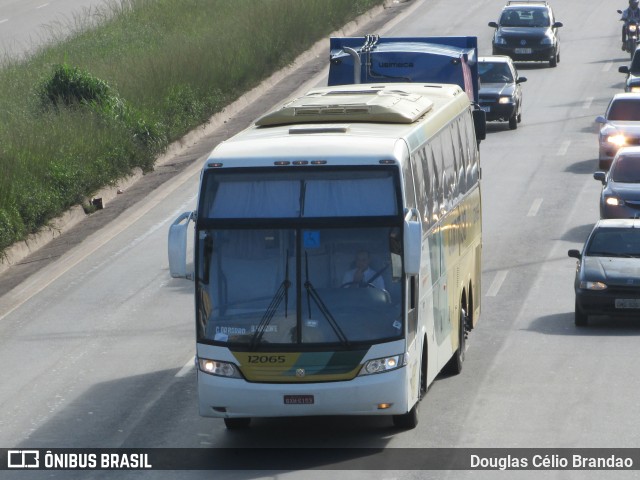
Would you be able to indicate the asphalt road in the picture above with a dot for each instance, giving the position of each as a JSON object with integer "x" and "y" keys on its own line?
{"x": 26, "y": 25}
{"x": 97, "y": 346}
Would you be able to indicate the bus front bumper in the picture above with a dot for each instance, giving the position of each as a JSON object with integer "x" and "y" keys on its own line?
{"x": 380, "y": 394}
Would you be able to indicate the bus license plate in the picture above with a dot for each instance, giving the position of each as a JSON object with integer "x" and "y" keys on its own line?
{"x": 523, "y": 50}
{"x": 627, "y": 303}
{"x": 298, "y": 400}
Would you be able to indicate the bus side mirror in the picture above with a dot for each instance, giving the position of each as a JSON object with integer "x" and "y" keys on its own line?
{"x": 178, "y": 246}
{"x": 412, "y": 242}
{"x": 480, "y": 123}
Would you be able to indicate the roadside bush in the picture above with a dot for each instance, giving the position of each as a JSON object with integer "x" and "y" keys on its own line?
{"x": 71, "y": 85}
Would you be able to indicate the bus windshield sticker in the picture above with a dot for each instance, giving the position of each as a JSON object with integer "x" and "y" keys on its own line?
{"x": 311, "y": 239}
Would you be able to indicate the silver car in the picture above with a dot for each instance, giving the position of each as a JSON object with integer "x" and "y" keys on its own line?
{"x": 620, "y": 196}
{"x": 620, "y": 127}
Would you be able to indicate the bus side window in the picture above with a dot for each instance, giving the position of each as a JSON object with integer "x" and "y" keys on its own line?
{"x": 435, "y": 175}
{"x": 417, "y": 163}
{"x": 472, "y": 149}
{"x": 427, "y": 212}
{"x": 410, "y": 193}
{"x": 462, "y": 155}
{"x": 434, "y": 256}
{"x": 452, "y": 164}
{"x": 412, "y": 293}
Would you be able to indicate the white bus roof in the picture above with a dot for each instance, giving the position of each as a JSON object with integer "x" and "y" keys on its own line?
{"x": 358, "y": 103}
{"x": 348, "y": 124}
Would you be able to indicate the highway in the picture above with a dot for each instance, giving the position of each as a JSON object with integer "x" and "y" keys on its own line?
{"x": 26, "y": 25}
{"x": 97, "y": 348}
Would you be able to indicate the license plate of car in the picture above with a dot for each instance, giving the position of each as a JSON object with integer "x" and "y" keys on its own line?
{"x": 298, "y": 400}
{"x": 627, "y": 303}
{"x": 522, "y": 51}
{"x": 485, "y": 109}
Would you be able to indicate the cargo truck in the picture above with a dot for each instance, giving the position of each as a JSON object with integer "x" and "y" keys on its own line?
{"x": 376, "y": 59}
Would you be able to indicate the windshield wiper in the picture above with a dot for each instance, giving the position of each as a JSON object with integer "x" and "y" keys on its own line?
{"x": 282, "y": 292}
{"x": 313, "y": 294}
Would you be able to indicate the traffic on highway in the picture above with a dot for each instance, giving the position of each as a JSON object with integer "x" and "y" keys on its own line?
{"x": 106, "y": 348}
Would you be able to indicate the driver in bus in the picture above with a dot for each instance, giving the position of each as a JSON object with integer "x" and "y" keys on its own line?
{"x": 362, "y": 275}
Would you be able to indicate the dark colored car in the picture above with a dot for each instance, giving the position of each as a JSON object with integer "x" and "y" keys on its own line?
{"x": 620, "y": 127}
{"x": 632, "y": 82}
{"x": 500, "y": 94}
{"x": 527, "y": 32}
{"x": 608, "y": 271}
{"x": 620, "y": 197}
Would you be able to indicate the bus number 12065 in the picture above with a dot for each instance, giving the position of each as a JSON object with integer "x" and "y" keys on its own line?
{"x": 267, "y": 359}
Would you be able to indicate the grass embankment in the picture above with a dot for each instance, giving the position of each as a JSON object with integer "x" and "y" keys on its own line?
{"x": 82, "y": 113}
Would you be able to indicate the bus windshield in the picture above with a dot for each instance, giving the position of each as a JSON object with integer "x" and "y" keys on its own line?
{"x": 298, "y": 193}
{"x": 292, "y": 286}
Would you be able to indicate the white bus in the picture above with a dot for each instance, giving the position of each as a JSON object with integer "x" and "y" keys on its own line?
{"x": 337, "y": 254}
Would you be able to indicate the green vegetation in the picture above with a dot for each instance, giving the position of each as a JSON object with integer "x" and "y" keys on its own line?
{"x": 133, "y": 77}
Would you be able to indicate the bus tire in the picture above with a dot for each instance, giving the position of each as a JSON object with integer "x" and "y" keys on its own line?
{"x": 454, "y": 365}
{"x": 237, "y": 423}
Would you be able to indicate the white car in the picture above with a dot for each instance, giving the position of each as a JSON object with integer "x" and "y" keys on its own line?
{"x": 620, "y": 127}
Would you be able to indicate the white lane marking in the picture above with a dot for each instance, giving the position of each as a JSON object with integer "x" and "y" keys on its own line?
{"x": 4, "y": 20}
{"x": 564, "y": 146}
{"x": 184, "y": 371}
{"x": 587, "y": 102}
{"x": 42, "y": 6}
{"x": 607, "y": 66}
{"x": 497, "y": 283}
{"x": 535, "y": 206}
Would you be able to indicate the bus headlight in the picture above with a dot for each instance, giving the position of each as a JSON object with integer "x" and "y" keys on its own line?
{"x": 220, "y": 369}
{"x": 380, "y": 365}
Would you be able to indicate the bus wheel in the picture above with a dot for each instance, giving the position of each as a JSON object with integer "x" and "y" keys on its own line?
{"x": 408, "y": 420}
{"x": 236, "y": 423}
{"x": 454, "y": 365}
